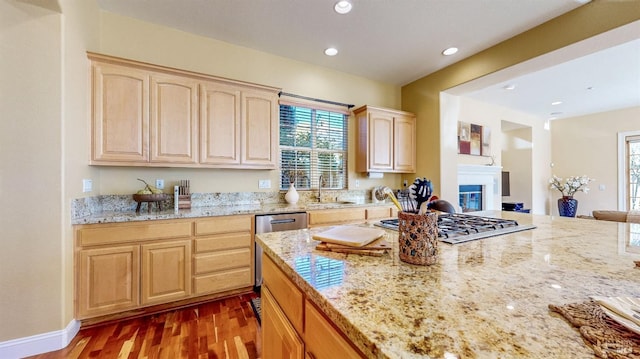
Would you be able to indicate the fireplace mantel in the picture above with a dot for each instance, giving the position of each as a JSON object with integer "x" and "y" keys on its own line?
{"x": 487, "y": 176}
{"x": 479, "y": 169}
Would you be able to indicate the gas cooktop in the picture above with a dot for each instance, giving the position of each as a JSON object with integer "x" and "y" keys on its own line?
{"x": 459, "y": 227}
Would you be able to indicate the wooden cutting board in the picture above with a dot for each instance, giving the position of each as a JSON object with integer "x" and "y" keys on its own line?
{"x": 378, "y": 244}
{"x": 352, "y": 250}
{"x": 351, "y": 236}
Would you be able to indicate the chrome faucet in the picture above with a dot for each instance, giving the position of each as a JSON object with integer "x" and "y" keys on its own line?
{"x": 320, "y": 179}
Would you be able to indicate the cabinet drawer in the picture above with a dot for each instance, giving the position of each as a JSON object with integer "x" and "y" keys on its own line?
{"x": 288, "y": 296}
{"x": 378, "y": 212}
{"x": 221, "y": 281}
{"x": 224, "y": 224}
{"x": 225, "y": 241}
{"x": 222, "y": 260}
{"x": 322, "y": 339}
{"x": 341, "y": 215}
{"x": 118, "y": 233}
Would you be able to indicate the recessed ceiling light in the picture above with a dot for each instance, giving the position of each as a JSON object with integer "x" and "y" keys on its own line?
{"x": 450, "y": 51}
{"x": 332, "y": 51}
{"x": 509, "y": 87}
{"x": 342, "y": 7}
{"x": 556, "y": 103}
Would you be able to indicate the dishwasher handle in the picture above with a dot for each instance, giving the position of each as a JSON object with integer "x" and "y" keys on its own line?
{"x": 283, "y": 221}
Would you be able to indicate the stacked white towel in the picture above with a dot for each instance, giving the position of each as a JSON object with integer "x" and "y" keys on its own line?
{"x": 624, "y": 310}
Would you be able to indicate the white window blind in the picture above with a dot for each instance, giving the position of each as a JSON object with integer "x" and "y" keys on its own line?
{"x": 313, "y": 143}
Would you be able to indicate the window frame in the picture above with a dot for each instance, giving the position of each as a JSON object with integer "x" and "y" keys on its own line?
{"x": 624, "y": 200}
{"x": 314, "y": 171}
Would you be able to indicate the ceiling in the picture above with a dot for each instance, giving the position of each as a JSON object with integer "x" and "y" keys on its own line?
{"x": 394, "y": 42}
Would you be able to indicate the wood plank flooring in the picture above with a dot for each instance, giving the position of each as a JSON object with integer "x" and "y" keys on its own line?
{"x": 225, "y": 328}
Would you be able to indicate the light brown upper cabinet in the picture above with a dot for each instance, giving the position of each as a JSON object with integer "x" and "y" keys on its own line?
{"x": 385, "y": 140}
{"x": 174, "y": 119}
{"x": 149, "y": 115}
{"x": 239, "y": 126}
{"x": 120, "y": 131}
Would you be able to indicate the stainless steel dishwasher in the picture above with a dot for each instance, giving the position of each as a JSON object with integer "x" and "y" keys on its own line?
{"x": 275, "y": 223}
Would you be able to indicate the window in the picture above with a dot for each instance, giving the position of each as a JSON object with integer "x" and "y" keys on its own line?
{"x": 629, "y": 165}
{"x": 313, "y": 143}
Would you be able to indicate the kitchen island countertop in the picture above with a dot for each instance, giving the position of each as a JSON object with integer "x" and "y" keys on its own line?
{"x": 483, "y": 299}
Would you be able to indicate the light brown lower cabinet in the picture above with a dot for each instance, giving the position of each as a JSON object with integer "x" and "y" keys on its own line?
{"x": 326, "y": 217}
{"x": 166, "y": 271}
{"x": 107, "y": 280}
{"x": 279, "y": 339}
{"x": 292, "y": 326}
{"x": 128, "y": 266}
{"x": 322, "y": 339}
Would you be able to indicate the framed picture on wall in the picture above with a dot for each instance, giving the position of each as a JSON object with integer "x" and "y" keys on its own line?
{"x": 486, "y": 141}
{"x": 464, "y": 138}
{"x": 474, "y": 139}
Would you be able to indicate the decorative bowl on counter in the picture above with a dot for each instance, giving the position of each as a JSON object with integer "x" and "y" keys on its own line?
{"x": 150, "y": 198}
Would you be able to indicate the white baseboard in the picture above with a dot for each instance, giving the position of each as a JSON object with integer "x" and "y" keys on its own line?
{"x": 40, "y": 343}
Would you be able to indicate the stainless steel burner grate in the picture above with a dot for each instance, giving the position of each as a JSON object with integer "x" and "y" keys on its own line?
{"x": 458, "y": 227}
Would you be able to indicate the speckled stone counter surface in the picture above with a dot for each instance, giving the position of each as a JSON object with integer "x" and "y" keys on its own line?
{"x": 121, "y": 208}
{"x": 483, "y": 299}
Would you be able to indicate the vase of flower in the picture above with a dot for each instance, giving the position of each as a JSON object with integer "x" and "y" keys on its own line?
{"x": 292, "y": 195}
{"x": 567, "y": 206}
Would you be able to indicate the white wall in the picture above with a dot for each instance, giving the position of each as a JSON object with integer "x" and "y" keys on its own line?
{"x": 30, "y": 179}
{"x": 459, "y": 108}
{"x": 587, "y": 145}
{"x": 517, "y": 152}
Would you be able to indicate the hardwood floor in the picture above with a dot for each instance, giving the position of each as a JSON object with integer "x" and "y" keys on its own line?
{"x": 225, "y": 328}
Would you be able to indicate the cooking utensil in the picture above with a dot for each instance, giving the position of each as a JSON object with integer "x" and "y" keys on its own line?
{"x": 420, "y": 191}
{"x": 389, "y": 193}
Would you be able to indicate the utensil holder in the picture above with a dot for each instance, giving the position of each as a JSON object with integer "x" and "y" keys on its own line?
{"x": 418, "y": 237}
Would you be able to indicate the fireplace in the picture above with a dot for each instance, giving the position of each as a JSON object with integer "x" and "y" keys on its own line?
{"x": 470, "y": 198}
{"x": 478, "y": 185}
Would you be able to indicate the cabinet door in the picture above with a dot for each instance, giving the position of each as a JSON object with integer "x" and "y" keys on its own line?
{"x": 378, "y": 212}
{"x": 219, "y": 124}
{"x": 166, "y": 271}
{"x": 120, "y": 114}
{"x": 108, "y": 280}
{"x": 322, "y": 339}
{"x": 174, "y": 119}
{"x": 279, "y": 339}
{"x": 260, "y": 123}
{"x": 404, "y": 144}
{"x": 335, "y": 216}
{"x": 380, "y": 141}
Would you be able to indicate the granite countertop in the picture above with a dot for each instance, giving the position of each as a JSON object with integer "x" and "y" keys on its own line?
{"x": 483, "y": 299}
{"x": 219, "y": 210}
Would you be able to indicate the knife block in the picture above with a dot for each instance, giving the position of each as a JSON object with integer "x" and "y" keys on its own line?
{"x": 184, "y": 201}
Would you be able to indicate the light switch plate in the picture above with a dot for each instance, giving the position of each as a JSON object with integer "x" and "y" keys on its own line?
{"x": 264, "y": 183}
{"x": 160, "y": 184}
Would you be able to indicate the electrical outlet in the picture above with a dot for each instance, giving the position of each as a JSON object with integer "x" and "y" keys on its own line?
{"x": 160, "y": 184}
{"x": 87, "y": 185}
{"x": 357, "y": 183}
{"x": 602, "y": 187}
{"x": 264, "y": 183}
